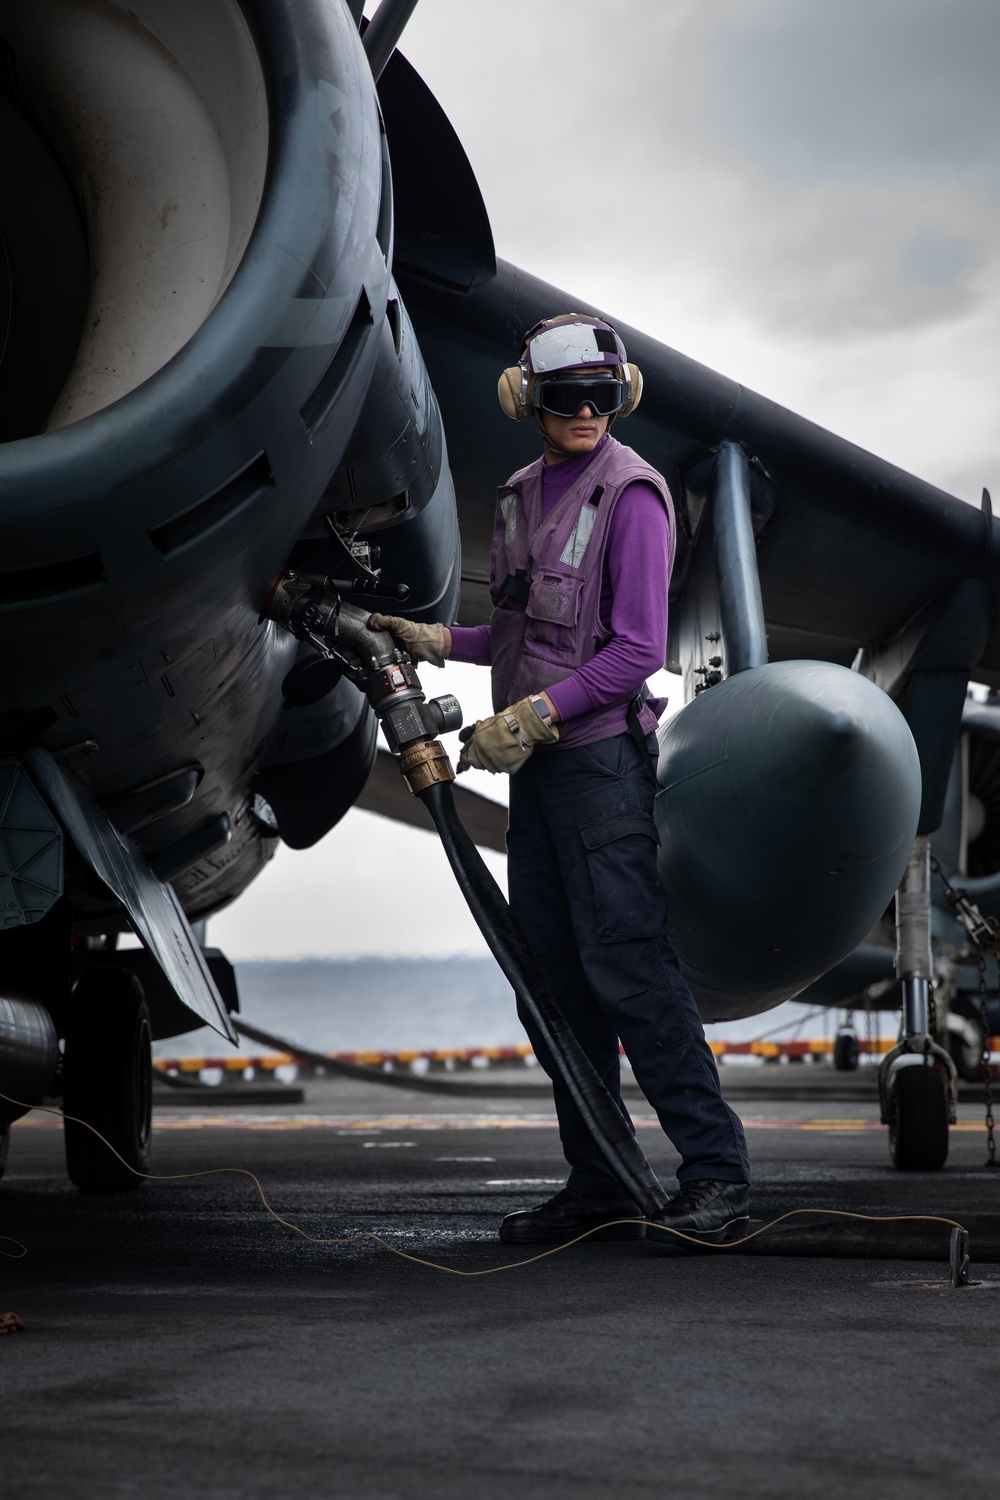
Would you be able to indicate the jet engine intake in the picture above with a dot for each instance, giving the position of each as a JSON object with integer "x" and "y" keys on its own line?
{"x": 160, "y": 115}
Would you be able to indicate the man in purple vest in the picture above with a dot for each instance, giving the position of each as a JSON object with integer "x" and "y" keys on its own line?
{"x": 582, "y": 551}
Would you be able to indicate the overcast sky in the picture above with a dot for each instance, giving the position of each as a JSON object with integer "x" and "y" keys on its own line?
{"x": 804, "y": 195}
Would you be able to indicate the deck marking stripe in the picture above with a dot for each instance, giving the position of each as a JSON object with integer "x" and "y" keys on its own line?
{"x": 350, "y": 1125}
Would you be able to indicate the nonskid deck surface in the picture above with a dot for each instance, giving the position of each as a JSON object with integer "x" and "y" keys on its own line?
{"x": 178, "y": 1341}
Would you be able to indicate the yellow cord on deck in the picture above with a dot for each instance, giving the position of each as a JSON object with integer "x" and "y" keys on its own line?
{"x": 418, "y": 1260}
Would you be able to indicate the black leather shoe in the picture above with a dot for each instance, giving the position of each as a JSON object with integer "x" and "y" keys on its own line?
{"x": 712, "y": 1211}
{"x": 567, "y": 1215}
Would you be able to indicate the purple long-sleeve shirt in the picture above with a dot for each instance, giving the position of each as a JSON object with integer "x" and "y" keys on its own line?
{"x": 633, "y": 598}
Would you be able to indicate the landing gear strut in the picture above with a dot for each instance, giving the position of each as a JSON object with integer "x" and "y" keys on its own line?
{"x": 916, "y": 1080}
{"x": 108, "y": 1082}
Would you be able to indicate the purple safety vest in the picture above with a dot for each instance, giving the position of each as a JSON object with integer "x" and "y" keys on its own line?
{"x": 545, "y": 583}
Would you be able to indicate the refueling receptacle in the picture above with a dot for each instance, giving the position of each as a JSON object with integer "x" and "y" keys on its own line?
{"x": 311, "y": 607}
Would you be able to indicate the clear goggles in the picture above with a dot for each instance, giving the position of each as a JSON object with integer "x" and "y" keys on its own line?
{"x": 567, "y": 397}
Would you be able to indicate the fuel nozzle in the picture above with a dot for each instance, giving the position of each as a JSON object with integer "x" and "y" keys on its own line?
{"x": 310, "y": 606}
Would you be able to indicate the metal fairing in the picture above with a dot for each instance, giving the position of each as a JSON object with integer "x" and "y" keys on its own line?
{"x": 152, "y": 906}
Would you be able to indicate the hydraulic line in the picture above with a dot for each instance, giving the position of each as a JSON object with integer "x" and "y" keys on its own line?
{"x": 364, "y": 1072}
{"x": 605, "y": 1121}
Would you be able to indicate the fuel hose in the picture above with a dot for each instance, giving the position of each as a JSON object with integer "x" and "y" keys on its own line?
{"x": 607, "y": 1125}
{"x": 312, "y": 607}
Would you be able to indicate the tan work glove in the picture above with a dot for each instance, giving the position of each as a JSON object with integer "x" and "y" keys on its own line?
{"x": 423, "y": 642}
{"x": 505, "y": 741}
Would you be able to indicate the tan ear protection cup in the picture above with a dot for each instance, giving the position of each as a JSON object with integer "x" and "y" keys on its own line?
{"x": 509, "y": 392}
{"x": 635, "y": 376}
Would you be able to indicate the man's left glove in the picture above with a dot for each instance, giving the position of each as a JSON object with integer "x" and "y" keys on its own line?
{"x": 505, "y": 741}
{"x": 423, "y": 642}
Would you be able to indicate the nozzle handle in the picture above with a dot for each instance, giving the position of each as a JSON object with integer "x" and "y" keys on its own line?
{"x": 397, "y": 591}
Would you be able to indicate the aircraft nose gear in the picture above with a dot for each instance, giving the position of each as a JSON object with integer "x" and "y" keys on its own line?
{"x": 846, "y": 1050}
{"x": 917, "y": 1082}
{"x": 311, "y": 607}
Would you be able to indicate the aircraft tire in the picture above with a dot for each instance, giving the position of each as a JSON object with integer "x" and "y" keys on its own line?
{"x": 4, "y": 1147}
{"x": 845, "y": 1051}
{"x": 918, "y": 1127}
{"x": 108, "y": 1081}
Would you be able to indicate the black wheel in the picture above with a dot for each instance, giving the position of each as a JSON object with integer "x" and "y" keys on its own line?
{"x": 108, "y": 1081}
{"x": 967, "y": 1055}
{"x": 845, "y": 1051}
{"x": 918, "y": 1126}
{"x": 4, "y": 1147}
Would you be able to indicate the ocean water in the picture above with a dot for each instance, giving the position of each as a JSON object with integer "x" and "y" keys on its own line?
{"x": 390, "y": 1004}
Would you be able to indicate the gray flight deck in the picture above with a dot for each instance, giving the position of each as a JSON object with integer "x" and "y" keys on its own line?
{"x": 180, "y": 1343}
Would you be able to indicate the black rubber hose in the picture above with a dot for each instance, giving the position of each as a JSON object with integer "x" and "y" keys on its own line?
{"x": 603, "y": 1118}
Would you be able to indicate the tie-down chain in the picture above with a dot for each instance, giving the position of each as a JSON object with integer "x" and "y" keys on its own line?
{"x": 984, "y": 935}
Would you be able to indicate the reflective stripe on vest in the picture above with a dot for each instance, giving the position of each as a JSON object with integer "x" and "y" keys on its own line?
{"x": 508, "y": 509}
{"x": 577, "y": 541}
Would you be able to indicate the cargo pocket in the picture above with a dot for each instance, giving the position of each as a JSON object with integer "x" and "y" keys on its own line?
{"x": 629, "y": 901}
{"x": 553, "y": 609}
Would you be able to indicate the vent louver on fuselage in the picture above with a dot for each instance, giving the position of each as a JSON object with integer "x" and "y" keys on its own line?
{"x": 215, "y": 508}
{"x": 51, "y": 580}
{"x": 316, "y": 408}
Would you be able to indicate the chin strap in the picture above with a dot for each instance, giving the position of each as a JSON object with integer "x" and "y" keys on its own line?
{"x": 547, "y": 440}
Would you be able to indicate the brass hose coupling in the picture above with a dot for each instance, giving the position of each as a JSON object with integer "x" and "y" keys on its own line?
{"x": 311, "y": 607}
{"x": 423, "y": 763}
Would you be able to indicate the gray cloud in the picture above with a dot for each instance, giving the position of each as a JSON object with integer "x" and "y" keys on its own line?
{"x": 802, "y": 193}
{"x": 887, "y": 91}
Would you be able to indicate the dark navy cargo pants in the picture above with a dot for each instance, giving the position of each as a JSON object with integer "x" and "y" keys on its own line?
{"x": 581, "y": 865}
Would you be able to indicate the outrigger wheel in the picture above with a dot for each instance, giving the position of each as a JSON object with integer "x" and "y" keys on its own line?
{"x": 918, "y": 1118}
{"x": 846, "y": 1050}
{"x": 108, "y": 1081}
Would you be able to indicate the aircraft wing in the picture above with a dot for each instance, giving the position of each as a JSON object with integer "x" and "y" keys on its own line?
{"x": 849, "y": 547}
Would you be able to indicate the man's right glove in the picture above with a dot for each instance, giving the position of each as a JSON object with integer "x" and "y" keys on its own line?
{"x": 423, "y": 642}
{"x": 505, "y": 741}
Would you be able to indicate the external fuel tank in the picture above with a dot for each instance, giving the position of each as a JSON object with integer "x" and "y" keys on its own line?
{"x": 788, "y": 803}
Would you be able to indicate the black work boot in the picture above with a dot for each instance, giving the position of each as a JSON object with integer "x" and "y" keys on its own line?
{"x": 712, "y": 1211}
{"x": 567, "y": 1215}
